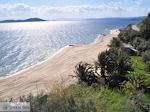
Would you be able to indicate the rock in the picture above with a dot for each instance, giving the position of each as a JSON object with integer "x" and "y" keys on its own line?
{"x": 129, "y": 49}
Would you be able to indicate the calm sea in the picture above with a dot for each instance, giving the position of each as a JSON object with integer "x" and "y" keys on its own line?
{"x": 25, "y": 44}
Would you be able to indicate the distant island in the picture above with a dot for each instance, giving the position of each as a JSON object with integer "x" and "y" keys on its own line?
{"x": 73, "y": 19}
{"x": 25, "y": 20}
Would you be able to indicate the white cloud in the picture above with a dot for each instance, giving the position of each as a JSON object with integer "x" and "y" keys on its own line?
{"x": 115, "y": 8}
{"x": 43, "y": 10}
{"x": 137, "y": 2}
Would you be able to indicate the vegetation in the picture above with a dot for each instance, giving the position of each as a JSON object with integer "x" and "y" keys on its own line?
{"x": 85, "y": 74}
{"x": 114, "y": 65}
{"x": 122, "y": 73}
{"x": 140, "y": 40}
{"x": 79, "y": 98}
{"x": 132, "y": 96}
{"x": 137, "y": 103}
{"x": 115, "y": 43}
{"x": 115, "y": 83}
{"x": 146, "y": 56}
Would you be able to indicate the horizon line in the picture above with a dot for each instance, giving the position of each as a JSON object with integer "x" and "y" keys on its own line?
{"x": 121, "y": 17}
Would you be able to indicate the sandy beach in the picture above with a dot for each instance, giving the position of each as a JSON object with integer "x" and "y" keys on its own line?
{"x": 44, "y": 76}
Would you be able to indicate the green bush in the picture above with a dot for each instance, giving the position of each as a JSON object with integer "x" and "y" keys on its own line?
{"x": 115, "y": 43}
{"x": 105, "y": 99}
{"x": 114, "y": 65}
{"x": 145, "y": 28}
{"x": 147, "y": 68}
{"x": 58, "y": 102}
{"x": 139, "y": 81}
{"x": 137, "y": 103}
{"x": 127, "y": 35}
{"x": 146, "y": 56}
{"x": 140, "y": 44}
{"x": 140, "y": 40}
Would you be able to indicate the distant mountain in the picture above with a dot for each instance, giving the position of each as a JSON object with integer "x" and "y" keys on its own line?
{"x": 26, "y": 20}
{"x": 111, "y": 18}
{"x": 118, "y": 18}
{"x": 76, "y": 19}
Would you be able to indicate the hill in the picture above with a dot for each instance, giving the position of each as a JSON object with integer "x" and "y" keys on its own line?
{"x": 25, "y": 20}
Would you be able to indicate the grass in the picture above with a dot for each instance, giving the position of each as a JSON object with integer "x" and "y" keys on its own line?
{"x": 139, "y": 68}
{"x": 106, "y": 100}
{"x": 109, "y": 100}
{"x": 138, "y": 65}
{"x": 78, "y": 98}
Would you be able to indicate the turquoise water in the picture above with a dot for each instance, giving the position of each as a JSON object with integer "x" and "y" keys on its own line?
{"x": 25, "y": 44}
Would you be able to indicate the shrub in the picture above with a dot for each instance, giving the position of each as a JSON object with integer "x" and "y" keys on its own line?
{"x": 145, "y": 28}
{"x": 137, "y": 103}
{"x": 114, "y": 61}
{"x": 54, "y": 102}
{"x": 85, "y": 73}
{"x": 114, "y": 65}
{"x": 115, "y": 43}
{"x": 128, "y": 34}
{"x": 146, "y": 56}
{"x": 140, "y": 81}
{"x": 140, "y": 44}
{"x": 140, "y": 40}
{"x": 148, "y": 67}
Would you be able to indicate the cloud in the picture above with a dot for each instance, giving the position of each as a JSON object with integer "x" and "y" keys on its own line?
{"x": 28, "y": 10}
{"x": 16, "y": 7}
{"x": 137, "y": 2}
{"x": 114, "y": 8}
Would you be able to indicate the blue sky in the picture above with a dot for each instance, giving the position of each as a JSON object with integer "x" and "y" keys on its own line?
{"x": 52, "y": 9}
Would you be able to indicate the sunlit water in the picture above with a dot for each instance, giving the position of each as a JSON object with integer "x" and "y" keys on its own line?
{"x": 26, "y": 44}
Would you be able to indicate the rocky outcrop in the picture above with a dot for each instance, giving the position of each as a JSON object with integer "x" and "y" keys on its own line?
{"x": 129, "y": 49}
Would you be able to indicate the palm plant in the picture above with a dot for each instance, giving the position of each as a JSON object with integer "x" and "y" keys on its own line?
{"x": 85, "y": 73}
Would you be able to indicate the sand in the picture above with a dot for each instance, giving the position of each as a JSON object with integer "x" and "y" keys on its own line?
{"x": 55, "y": 71}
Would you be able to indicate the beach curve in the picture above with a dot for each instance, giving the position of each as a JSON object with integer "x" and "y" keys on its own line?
{"x": 58, "y": 68}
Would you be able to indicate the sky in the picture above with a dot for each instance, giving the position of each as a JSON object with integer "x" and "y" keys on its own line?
{"x": 55, "y": 9}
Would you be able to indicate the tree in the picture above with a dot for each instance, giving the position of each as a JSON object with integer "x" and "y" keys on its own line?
{"x": 114, "y": 65}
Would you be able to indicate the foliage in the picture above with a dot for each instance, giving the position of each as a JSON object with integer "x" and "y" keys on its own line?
{"x": 114, "y": 65}
{"x": 140, "y": 44}
{"x": 85, "y": 73}
{"x": 146, "y": 56}
{"x": 127, "y": 35}
{"x": 137, "y": 103}
{"x": 140, "y": 81}
{"x": 145, "y": 28}
{"x": 116, "y": 68}
{"x": 79, "y": 98}
{"x": 139, "y": 78}
{"x": 138, "y": 65}
{"x": 140, "y": 40}
{"x": 115, "y": 43}
{"x": 60, "y": 102}
{"x": 105, "y": 99}
{"x": 148, "y": 67}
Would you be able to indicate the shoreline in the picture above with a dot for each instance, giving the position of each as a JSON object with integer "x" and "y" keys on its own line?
{"x": 97, "y": 39}
{"x": 56, "y": 68}
{"x": 30, "y": 67}
{"x": 41, "y": 62}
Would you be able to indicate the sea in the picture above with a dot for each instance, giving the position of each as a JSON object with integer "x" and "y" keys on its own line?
{"x": 25, "y": 44}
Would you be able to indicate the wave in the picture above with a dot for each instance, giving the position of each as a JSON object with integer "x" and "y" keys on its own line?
{"x": 10, "y": 75}
{"x": 97, "y": 39}
{"x": 24, "y": 45}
